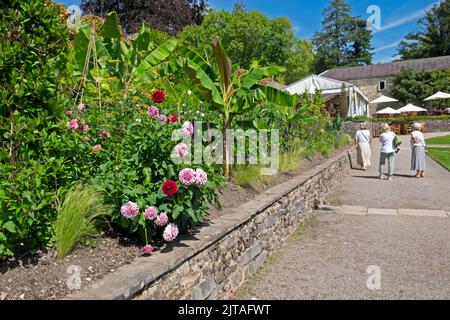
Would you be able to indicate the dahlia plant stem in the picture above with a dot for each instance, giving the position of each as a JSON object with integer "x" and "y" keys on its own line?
{"x": 145, "y": 232}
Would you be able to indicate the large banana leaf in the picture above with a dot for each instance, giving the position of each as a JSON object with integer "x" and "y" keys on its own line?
{"x": 203, "y": 83}
{"x": 81, "y": 46}
{"x": 223, "y": 62}
{"x": 278, "y": 97}
{"x": 111, "y": 27}
{"x": 258, "y": 74}
{"x": 146, "y": 69}
{"x": 198, "y": 60}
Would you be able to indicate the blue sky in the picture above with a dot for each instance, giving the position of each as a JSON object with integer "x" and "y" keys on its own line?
{"x": 398, "y": 18}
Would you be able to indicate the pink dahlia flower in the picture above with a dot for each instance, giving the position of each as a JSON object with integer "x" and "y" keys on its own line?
{"x": 151, "y": 213}
{"x": 85, "y": 127}
{"x": 162, "y": 118}
{"x": 188, "y": 128}
{"x": 162, "y": 219}
{"x": 181, "y": 150}
{"x": 86, "y": 139}
{"x": 147, "y": 249}
{"x": 69, "y": 112}
{"x": 170, "y": 233}
{"x": 188, "y": 176}
{"x": 81, "y": 107}
{"x": 202, "y": 177}
{"x": 153, "y": 112}
{"x": 130, "y": 210}
{"x": 73, "y": 124}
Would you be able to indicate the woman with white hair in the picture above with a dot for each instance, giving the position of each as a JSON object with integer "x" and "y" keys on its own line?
{"x": 387, "y": 152}
{"x": 362, "y": 139}
{"x": 418, "y": 151}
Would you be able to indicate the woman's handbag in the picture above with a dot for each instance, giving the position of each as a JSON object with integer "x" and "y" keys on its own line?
{"x": 397, "y": 142}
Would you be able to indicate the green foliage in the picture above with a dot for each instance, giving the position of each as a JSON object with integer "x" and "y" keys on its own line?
{"x": 414, "y": 86}
{"x": 290, "y": 160}
{"x": 33, "y": 52}
{"x": 231, "y": 90}
{"x": 433, "y": 39}
{"x": 77, "y": 217}
{"x": 251, "y": 36}
{"x": 137, "y": 161}
{"x": 343, "y": 41}
{"x": 342, "y": 140}
{"x": 111, "y": 63}
{"x": 249, "y": 176}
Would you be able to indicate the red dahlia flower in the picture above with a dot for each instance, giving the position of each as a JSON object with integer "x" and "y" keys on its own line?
{"x": 158, "y": 96}
{"x": 172, "y": 118}
{"x": 170, "y": 188}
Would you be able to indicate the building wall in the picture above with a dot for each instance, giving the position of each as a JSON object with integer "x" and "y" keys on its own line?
{"x": 370, "y": 88}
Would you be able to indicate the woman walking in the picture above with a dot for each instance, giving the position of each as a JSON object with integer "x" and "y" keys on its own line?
{"x": 362, "y": 140}
{"x": 387, "y": 152}
{"x": 418, "y": 151}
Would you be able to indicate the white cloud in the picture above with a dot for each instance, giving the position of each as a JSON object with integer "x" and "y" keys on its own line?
{"x": 386, "y": 47}
{"x": 413, "y": 16}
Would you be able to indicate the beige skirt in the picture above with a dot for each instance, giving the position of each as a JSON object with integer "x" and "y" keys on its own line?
{"x": 364, "y": 154}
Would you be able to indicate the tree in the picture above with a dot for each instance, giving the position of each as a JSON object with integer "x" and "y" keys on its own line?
{"x": 433, "y": 40}
{"x": 344, "y": 39}
{"x": 166, "y": 15}
{"x": 414, "y": 86}
{"x": 251, "y": 36}
{"x": 300, "y": 62}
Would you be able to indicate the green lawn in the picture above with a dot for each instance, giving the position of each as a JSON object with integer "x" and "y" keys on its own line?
{"x": 442, "y": 155}
{"x": 439, "y": 140}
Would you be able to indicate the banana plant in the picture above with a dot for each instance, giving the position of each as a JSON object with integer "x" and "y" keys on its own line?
{"x": 231, "y": 90}
{"x": 127, "y": 60}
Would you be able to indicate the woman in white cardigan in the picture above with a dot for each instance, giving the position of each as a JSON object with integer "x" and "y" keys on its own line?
{"x": 362, "y": 141}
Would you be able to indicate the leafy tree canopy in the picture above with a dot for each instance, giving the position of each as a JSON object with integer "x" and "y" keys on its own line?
{"x": 344, "y": 39}
{"x": 433, "y": 39}
{"x": 414, "y": 86}
{"x": 251, "y": 36}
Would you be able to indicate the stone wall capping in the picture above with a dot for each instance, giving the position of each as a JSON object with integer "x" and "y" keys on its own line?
{"x": 211, "y": 261}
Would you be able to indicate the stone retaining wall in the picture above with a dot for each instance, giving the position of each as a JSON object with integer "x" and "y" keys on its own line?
{"x": 443, "y": 125}
{"x": 215, "y": 260}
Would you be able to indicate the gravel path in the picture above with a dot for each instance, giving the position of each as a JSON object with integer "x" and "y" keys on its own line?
{"x": 331, "y": 260}
{"x": 405, "y": 191}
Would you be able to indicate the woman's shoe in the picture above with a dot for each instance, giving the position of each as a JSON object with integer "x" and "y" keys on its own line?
{"x": 381, "y": 176}
{"x": 390, "y": 179}
{"x": 422, "y": 175}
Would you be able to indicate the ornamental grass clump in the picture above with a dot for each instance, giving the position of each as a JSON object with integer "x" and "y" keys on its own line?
{"x": 77, "y": 217}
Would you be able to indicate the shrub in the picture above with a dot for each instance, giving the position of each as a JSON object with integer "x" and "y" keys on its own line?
{"x": 33, "y": 52}
{"x": 77, "y": 216}
{"x": 342, "y": 140}
{"x": 290, "y": 160}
